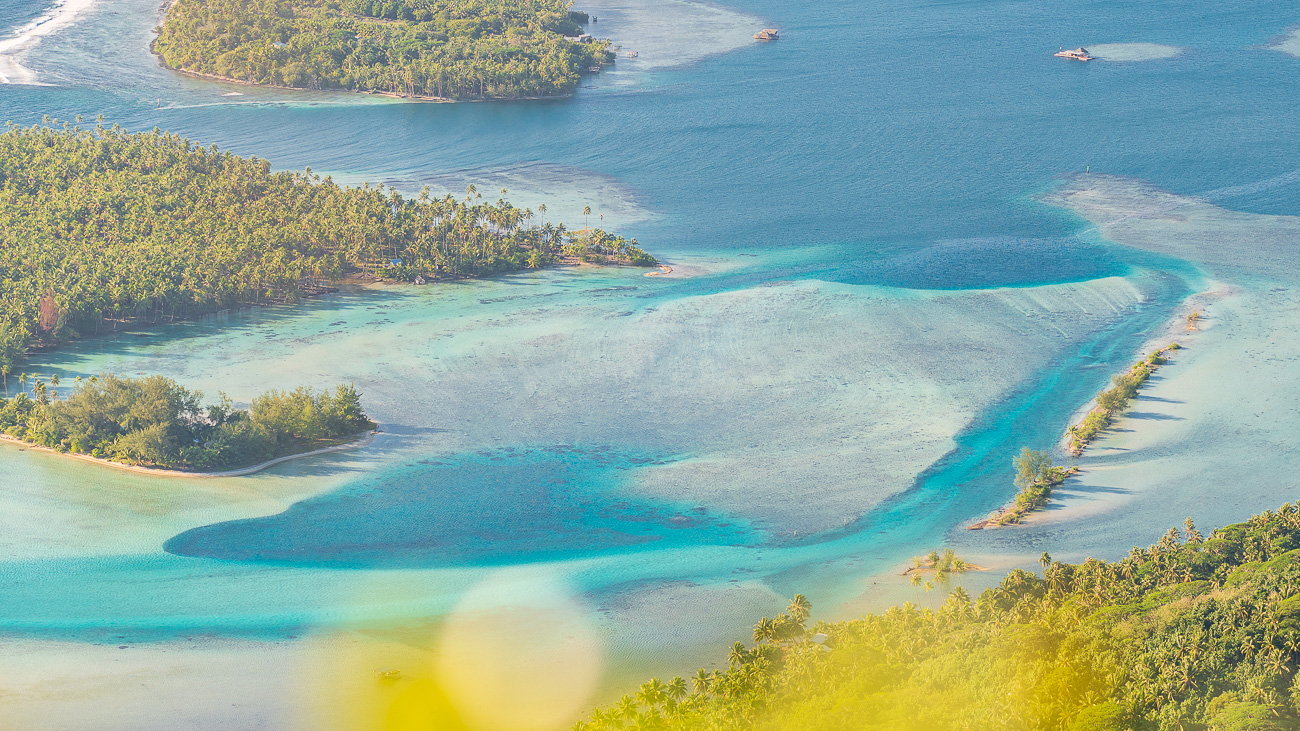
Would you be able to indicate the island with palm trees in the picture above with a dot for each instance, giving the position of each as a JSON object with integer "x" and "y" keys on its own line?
{"x": 421, "y": 49}
{"x": 112, "y": 230}
{"x": 1193, "y": 632}
{"x": 156, "y": 423}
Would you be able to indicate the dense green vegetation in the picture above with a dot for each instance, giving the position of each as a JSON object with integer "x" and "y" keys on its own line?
{"x": 1112, "y": 402}
{"x": 944, "y": 565}
{"x": 1192, "y": 633}
{"x": 1035, "y": 476}
{"x": 458, "y": 49}
{"x": 99, "y": 228}
{"x": 155, "y": 421}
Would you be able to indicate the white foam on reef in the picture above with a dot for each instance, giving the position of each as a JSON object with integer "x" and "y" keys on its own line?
{"x": 1290, "y": 44}
{"x": 1213, "y": 435}
{"x": 64, "y": 14}
{"x": 667, "y": 33}
{"x": 1133, "y": 51}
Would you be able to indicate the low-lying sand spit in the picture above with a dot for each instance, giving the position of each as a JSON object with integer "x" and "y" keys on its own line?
{"x": 1211, "y": 434}
{"x": 364, "y": 441}
{"x": 63, "y": 15}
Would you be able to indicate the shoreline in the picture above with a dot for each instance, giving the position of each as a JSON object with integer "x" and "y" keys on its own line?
{"x": 364, "y": 441}
{"x": 664, "y": 270}
{"x": 359, "y": 280}
{"x": 1065, "y": 443}
{"x": 64, "y": 13}
{"x": 355, "y": 92}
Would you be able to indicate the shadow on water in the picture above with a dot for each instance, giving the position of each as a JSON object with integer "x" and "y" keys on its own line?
{"x": 490, "y": 507}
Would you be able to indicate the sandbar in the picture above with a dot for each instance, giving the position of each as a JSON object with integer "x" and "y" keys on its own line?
{"x": 161, "y": 472}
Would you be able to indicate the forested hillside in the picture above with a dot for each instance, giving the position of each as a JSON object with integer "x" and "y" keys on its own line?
{"x": 1192, "y": 633}
{"x": 100, "y": 227}
{"x": 425, "y": 48}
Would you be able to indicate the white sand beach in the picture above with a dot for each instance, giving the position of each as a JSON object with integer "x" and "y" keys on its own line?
{"x": 1211, "y": 434}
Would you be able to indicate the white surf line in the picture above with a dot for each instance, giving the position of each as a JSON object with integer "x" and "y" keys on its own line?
{"x": 13, "y": 72}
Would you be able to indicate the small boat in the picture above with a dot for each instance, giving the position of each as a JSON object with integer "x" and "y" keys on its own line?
{"x": 594, "y": 69}
{"x": 1078, "y": 54}
{"x": 633, "y": 54}
{"x": 767, "y": 34}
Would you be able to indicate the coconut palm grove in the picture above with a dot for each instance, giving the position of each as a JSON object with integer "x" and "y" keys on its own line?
{"x": 104, "y": 228}
{"x": 1191, "y": 632}
{"x": 423, "y": 48}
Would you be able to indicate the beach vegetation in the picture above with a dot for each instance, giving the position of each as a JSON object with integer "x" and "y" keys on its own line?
{"x": 1188, "y": 633}
{"x": 1036, "y": 476}
{"x": 943, "y": 564}
{"x": 156, "y": 422}
{"x": 102, "y": 229}
{"x": 448, "y": 49}
{"x": 1112, "y": 402}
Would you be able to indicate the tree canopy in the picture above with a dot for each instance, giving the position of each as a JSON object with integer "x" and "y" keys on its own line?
{"x": 456, "y": 49}
{"x": 1189, "y": 633}
{"x": 157, "y": 422}
{"x": 102, "y": 227}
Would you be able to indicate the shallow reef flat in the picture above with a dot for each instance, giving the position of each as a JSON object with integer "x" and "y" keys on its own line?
{"x": 1214, "y": 434}
{"x": 794, "y": 405}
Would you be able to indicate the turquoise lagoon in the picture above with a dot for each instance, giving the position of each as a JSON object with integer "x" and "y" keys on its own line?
{"x": 881, "y": 294}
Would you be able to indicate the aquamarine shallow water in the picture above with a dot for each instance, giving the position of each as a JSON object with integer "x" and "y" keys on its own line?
{"x": 872, "y": 175}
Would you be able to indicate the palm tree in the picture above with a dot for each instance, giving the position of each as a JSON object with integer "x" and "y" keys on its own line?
{"x": 800, "y": 608}
{"x": 652, "y": 693}
{"x": 701, "y": 681}
{"x": 738, "y": 655}
{"x": 1045, "y": 560}
{"x": 676, "y": 688}
{"x": 626, "y": 707}
{"x": 602, "y": 719}
{"x": 586, "y": 211}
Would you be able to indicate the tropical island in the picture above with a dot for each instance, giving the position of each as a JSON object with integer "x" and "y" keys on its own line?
{"x": 1036, "y": 476}
{"x": 1112, "y": 402}
{"x": 155, "y": 422}
{"x": 1193, "y": 632}
{"x": 102, "y": 229}
{"x": 423, "y": 49}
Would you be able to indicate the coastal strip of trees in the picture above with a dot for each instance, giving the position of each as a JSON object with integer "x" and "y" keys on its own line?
{"x": 451, "y": 49}
{"x": 156, "y": 422}
{"x": 1193, "y": 632}
{"x": 101, "y": 228}
{"x": 1112, "y": 402}
{"x": 1036, "y": 476}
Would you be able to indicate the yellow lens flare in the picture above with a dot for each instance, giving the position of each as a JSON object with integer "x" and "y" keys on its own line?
{"x": 517, "y": 653}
